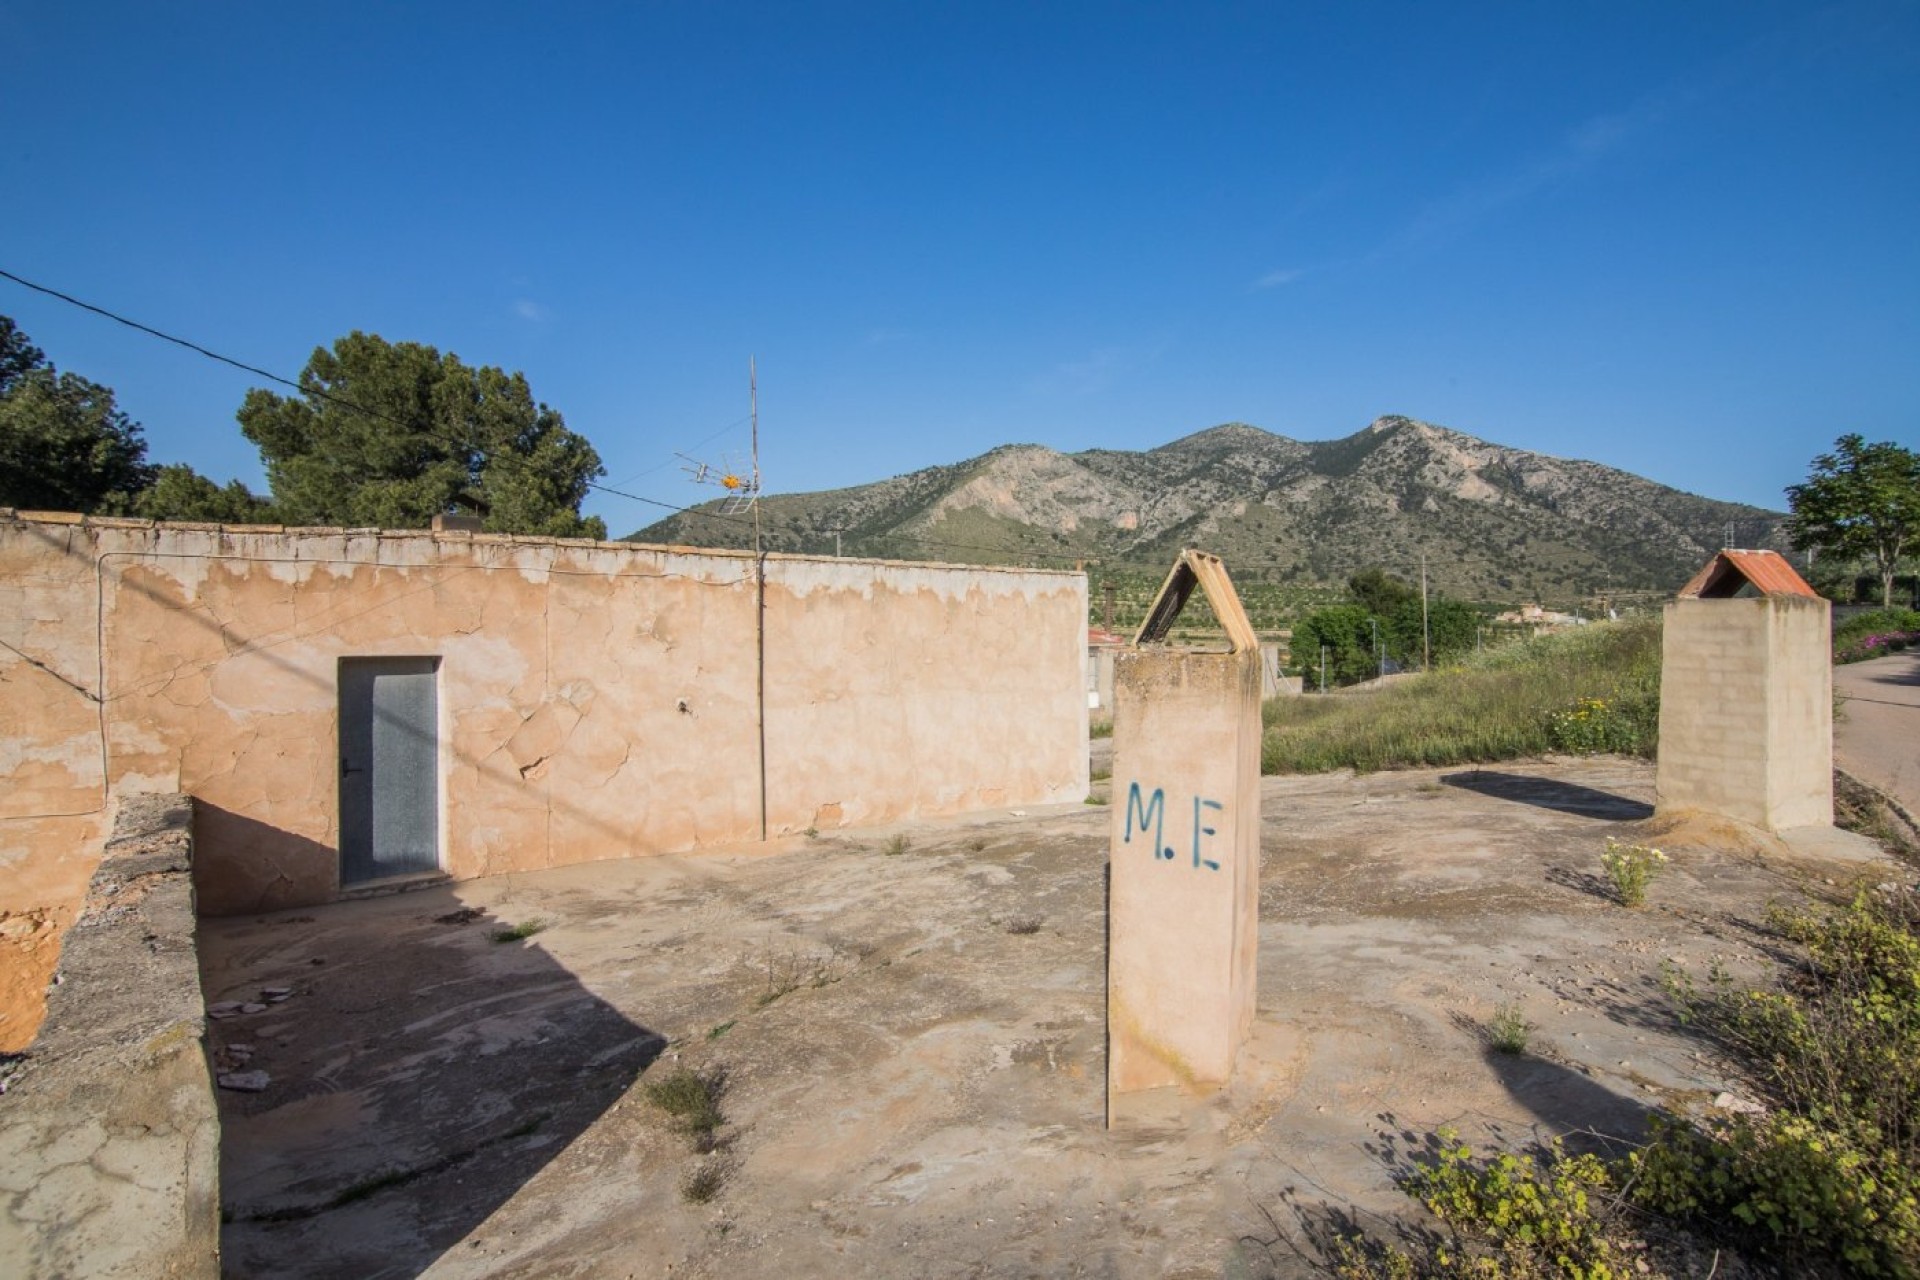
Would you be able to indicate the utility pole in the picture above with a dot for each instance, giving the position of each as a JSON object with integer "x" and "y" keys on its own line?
{"x": 1323, "y": 668}
{"x": 760, "y": 591}
{"x": 1107, "y": 590}
{"x": 1426, "y": 633}
{"x": 1379, "y": 658}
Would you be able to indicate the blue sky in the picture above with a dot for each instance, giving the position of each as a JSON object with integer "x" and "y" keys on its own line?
{"x": 1679, "y": 239}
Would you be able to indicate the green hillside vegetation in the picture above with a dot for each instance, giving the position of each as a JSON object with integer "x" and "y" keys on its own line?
{"x": 1493, "y": 524}
{"x": 1596, "y": 688}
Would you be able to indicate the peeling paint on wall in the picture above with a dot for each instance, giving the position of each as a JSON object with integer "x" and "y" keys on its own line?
{"x": 599, "y": 700}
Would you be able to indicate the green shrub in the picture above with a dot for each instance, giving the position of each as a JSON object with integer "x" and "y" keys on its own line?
{"x": 1512, "y": 1216}
{"x": 1875, "y": 634}
{"x": 1630, "y": 869}
{"x": 1593, "y": 726}
{"x": 1832, "y": 1168}
{"x": 1822, "y": 1177}
{"x": 1508, "y": 1030}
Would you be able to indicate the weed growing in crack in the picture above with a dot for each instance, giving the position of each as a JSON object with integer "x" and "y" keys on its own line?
{"x": 896, "y": 846}
{"x": 704, "y": 1181}
{"x": 692, "y": 1099}
{"x": 1508, "y": 1029}
{"x": 788, "y": 971}
{"x": 1023, "y": 925}
{"x": 1631, "y": 868}
{"x": 520, "y": 932}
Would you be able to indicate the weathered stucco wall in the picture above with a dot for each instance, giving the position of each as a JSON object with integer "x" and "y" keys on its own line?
{"x": 596, "y": 700}
{"x": 1746, "y": 710}
{"x": 109, "y": 1136}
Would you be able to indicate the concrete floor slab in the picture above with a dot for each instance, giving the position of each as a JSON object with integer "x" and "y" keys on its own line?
{"x": 914, "y": 1049}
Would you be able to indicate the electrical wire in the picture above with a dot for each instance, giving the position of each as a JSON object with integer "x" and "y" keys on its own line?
{"x": 312, "y": 392}
{"x": 343, "y": 402}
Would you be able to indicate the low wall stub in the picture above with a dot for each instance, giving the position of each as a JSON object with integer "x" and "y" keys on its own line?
{"x": 109, "y": 1135}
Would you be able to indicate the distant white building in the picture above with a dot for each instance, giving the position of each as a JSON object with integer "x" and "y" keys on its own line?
{"x": 1532, "y": 615}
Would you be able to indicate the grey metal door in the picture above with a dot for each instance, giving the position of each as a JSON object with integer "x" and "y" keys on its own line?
{"x": 389, "y": 767}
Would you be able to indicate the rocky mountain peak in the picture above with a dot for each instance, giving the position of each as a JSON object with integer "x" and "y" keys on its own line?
{"x": 1501, "y": 522}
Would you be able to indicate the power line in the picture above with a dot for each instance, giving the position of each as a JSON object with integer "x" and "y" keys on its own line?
{"x": 311, "y": 391}
{"x": 379, "y": 416}
{"x": 611, "y": 490}
{"x": 181, "y": 342}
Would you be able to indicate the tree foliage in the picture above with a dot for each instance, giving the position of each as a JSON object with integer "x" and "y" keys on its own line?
{"x": 1451, "y": 629}
{"x": 393, "y": 434}
{"x": 1381, "y": 593}
{"x": 1385, "y": 619}
{"x": 178, "y": 492}
{"x": 1862, "y": 501}
{"x": 18, "y": 357}
{"x": 1343, "y": 631}
{"x": 64, "y": 444}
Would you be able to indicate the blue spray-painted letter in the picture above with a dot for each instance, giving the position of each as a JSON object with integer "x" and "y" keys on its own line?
{"x": 1151, "y": 811}
{"x": 1198, "y": 831}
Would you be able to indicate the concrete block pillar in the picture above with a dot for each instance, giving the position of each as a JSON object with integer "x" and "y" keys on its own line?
{"x": 1746, "y": 696}
{"x": 1184, "y": 889}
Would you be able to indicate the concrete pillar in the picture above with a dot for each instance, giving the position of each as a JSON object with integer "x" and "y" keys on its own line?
{"x": 1270, "y": 686}
{"x": 1101, "y": 657}
{"x": 1746, "y": 697}
{"x": 1184, "y": 887}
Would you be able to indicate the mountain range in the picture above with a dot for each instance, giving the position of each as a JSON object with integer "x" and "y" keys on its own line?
{"x": 1491, "y": 522}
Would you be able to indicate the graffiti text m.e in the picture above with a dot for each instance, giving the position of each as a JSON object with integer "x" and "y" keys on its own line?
{"x": 1147, "y": 812}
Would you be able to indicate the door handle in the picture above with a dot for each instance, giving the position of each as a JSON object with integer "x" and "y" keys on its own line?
{"x": 346, "y": 768}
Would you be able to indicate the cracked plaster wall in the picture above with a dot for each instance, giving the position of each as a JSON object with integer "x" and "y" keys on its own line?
{"x": 960, "y": 698}
{"x": 597, "y": 700}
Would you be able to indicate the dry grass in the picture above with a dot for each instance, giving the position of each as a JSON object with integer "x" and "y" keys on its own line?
{"x": 1497, "y": 705}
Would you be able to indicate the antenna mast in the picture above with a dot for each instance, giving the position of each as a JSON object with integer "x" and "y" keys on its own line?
{"x": 753, "y": 410}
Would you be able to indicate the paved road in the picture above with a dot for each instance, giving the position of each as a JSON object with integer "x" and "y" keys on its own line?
{"x": 1876, "y": 737}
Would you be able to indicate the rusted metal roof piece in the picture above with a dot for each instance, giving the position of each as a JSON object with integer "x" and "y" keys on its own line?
{"x": 1209, "y": 573}
{"x": 1766, "y": 571}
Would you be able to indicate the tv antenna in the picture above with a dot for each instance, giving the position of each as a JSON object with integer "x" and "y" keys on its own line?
{"x": 739, "y": 482}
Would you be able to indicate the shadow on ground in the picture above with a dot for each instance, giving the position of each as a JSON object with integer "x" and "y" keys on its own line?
{"x": 1550, "y": 793}
{"x": 1907, "y": 675}
{"x": 474, "y": 1060}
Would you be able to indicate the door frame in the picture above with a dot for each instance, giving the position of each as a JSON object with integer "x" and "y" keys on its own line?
{"x": 436, "y": 665}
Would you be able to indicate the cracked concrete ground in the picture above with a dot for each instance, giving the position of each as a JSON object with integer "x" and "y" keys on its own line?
{"x": 913, "y": 1042}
